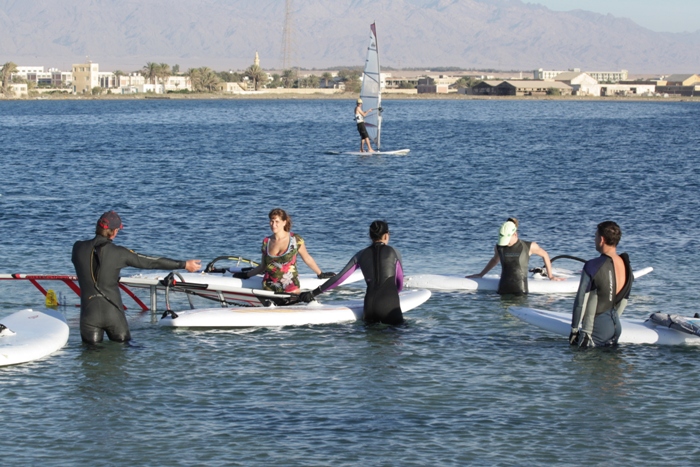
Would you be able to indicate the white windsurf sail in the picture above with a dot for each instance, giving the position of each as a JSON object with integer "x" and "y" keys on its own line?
{"x": 371, "y": 90}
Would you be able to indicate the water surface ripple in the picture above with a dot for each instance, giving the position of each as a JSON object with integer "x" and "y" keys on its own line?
{"x": 462, "y": 383}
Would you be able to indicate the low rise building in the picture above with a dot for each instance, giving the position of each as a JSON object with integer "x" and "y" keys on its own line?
{"x": 680, "y": 84}
{"x": 608, "y": 76}
{"x": 547, "y": 74}
{"x": 582, "y": 84}
{"x": 132, "y": 79}
{"x": 682, "y": 80}
{"x": 19, "y": 90}
{"x": 438, "y": 84}
{"x": 485, "y": 88}
{"x": 599, "y": 76}
{"x": 232, "y": 88}
{"x": 107, "y": 79}
{"x": 524, "y": 87}
{"x": 400, "y": 82}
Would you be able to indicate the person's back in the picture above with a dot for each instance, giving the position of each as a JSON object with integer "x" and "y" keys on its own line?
{"x": 380, "y": 265}
{"x": 606, "y": 283}
{"x": 383, "y": 272}
{"x": 98, "y": 263}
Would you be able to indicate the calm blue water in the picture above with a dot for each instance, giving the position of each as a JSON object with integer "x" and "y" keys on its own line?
{"x": 461, "y": 383}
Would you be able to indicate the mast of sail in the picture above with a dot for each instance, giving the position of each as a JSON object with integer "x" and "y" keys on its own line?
{"x": 371, "y": 92}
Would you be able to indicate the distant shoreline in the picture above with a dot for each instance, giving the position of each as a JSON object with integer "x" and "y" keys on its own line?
{"x": 347, "y": 96}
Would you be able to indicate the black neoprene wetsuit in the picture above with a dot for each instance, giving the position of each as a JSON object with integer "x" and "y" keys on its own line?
{"x": 381, "y": 266}
{"x": 98, "y": 263}
{"x": 514, "y": 264}
{"x": 597, "y": 308}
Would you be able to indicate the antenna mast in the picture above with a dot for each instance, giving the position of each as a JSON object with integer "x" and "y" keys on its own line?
{"x": 287, "y": 36}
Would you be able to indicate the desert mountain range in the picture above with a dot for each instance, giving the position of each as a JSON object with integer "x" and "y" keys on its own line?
{"x": 225, "y": 34}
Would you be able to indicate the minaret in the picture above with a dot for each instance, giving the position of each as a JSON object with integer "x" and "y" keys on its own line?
{"x": 256, "y": 62}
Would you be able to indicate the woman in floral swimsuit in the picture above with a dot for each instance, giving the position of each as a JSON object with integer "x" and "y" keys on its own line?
{"x": 279, "y": 256}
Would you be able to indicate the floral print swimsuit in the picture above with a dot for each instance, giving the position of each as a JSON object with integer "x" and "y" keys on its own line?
{"x": 281, "y": 273}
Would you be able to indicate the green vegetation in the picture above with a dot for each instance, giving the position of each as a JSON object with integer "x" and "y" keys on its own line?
{"x": 7, "y": 69}
{"x": 256, "y": 75}
{"x": 466, "y": 82}
{"x": 203, "y": 78}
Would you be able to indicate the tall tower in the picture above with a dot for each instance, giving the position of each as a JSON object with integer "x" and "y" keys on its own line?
{"x": 287, "y": 36}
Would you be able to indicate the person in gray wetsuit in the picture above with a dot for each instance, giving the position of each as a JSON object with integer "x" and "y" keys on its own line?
{"x": 98, "y": 263}
{"x": 381, "y": 266}
{"x": 514, "y": 256}
{"x": 603, "y": 292}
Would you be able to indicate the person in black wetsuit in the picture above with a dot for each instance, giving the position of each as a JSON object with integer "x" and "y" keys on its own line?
{"x": 605, "y": 286}
{"x": 514, "y": 256}
{"x": 381, "y": 266}
{"x": 98, "y": 263}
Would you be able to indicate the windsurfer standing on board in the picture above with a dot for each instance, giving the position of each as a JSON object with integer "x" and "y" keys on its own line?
{"x": 360, "y": 119}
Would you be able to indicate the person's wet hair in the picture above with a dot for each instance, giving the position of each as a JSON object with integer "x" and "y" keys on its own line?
{"x": 377, "y": 230}
{"x": 610, "y": 232}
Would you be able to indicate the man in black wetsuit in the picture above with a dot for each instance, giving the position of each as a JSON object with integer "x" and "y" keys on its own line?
{"x": 514, "y": 256}
{"x": 381, "y": 266}
{"x": 605, "y": 286}
{"x": 98, "y": 263}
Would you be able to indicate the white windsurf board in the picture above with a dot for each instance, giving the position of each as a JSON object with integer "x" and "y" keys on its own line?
{"x": 634, "y": 331}
{"x": 293, "y": 315}
{"x": 30, "y": 335}
{"x": 537, "y": 284}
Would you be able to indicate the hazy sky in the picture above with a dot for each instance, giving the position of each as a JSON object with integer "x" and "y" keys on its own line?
{"x": 664, "y": 15}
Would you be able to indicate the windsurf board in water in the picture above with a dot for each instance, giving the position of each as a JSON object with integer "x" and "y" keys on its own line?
{"x": 537, "y": 284}
{"x": 634, "y": 331}
{"x": 29, "y": 335}
{"x": 398, "y": 152}
{"x": 220, "y": 286}
{"x": 292, "y": 315}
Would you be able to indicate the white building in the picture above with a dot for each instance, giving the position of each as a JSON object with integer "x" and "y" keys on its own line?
{"x": 627, "y": 89}
{"x": 608, "y": 76}
{"x": 581, "y": 83}
{"x": 599, "y": 76}
{"x": 546, "y": 74}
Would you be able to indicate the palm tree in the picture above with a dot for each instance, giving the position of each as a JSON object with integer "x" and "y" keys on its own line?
{"x": 150, "y": 71}
{"x": 7, "y": 70}
{"x": 257, "y": 75}
{"x": 327, "y": 78}
{"x": 313, "y": 81}
{"x": 288, "y": 78}
{"x": 118, "y": 74}
{"x": 163, "y": 73}
{"x": 208, "y": 78}
{"x": 195, "y": 81}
